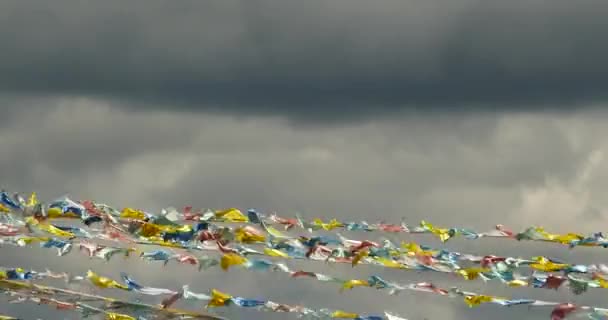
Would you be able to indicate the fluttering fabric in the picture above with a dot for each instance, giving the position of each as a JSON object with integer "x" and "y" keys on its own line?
{"x": 410, "y": 256}
{"x": 90, "y": 211}
{"x": 217, "y": 298}
{"x": 255, "y": 243}
{"x": 88, "y": 304}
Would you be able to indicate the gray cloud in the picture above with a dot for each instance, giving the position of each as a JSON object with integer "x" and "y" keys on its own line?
{"x": 311, "y": 60}
{"x": 467, "y": 170}
{"x": 217, "y": 160}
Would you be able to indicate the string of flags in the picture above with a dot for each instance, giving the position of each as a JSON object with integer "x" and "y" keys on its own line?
{"x": 579, "y": 278}
{"x": 213, "y": 299}
{"x": 329, "y": 248}
{"x": 216, "y": 298}
{"x": 20, "y": 291}
{"x": 89, "y": 212}
{"x": 253, "y": 242}
{"x": 410, "y": 256}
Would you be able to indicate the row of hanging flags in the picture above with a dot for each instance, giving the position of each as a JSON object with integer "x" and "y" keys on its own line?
{"x": 254, "y": 242}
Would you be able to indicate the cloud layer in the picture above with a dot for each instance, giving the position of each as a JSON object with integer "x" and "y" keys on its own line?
{"x": 311, "y": 60}
{"x": 472, "y": 170}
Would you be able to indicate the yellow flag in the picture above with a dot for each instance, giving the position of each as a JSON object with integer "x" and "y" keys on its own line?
{"x": 27, "y": 240}
{"x": 344, "y": 315}
{"x": 414, "y": 249}
{"x": 411, "y": 247}
{"x": 33, "y": 200}
{"x": 246, "y": 235}
{"x": 332, "y": 224}
{"x": 274, "y": 232}
{"x": 231, "y": 215}
{"x": 517, "y": 283}
{"x": 473, "y": 301}
{"x": 231, "y": 259}
{"x": 441, "y": 233}
{"x": 104, "y": 282}
{"x": 394, "y": 252}
{"x": 218, "y": 299}
{"x": 544, "y": 264}
{"x": 150, "y": 230}
{"x": 55, "y": 231}
{"x": 182, "y": 228}
{"x": 567, "y": 238}
{"x": 389, "y": 263}
{"x": 349, "y": 284}
{"x": 602, "y": 282}
{"x": 275, "y": 253}
{"x": 31, "y": 221}
{"x": 118, "y": 316}
{"x": 4, "y": 209}
{"x": 561, "y": 238}
{"x": 358, "y": 256}
{"x": 54, "y": 213}
{"x": 3, "y": 275}
{"x": 130, "y": 213}
{"x": 471, "y": 273}
{"x": 318, "y": 222}
{"x": 543, "y": 233}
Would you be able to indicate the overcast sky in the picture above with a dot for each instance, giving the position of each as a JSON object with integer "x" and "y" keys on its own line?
{"x": 461, "y": 112}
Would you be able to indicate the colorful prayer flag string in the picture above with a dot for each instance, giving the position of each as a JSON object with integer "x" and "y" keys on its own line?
{"x": 90, "y": 212}
{"x": 216, "y": 298}
{"x": 27, "y": 221}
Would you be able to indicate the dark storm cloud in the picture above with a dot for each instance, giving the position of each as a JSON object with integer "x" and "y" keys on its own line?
{"x": 311, "y": 59}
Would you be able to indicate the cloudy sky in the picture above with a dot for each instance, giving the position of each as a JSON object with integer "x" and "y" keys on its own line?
{"x": 461, "y": 112}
